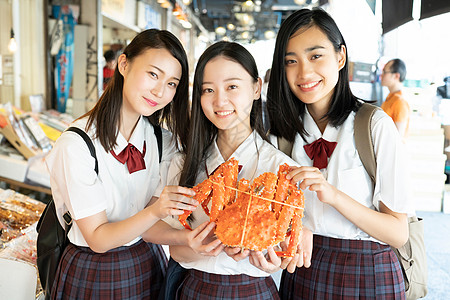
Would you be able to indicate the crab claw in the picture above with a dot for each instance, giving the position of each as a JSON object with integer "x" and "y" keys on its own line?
{"x": 182, "y": 218}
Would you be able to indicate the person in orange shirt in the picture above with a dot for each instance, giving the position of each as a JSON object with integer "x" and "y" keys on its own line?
{"x": 394, "y": 73}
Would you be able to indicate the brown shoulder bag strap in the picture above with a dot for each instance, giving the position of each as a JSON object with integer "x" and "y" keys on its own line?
{"x": 363, "y": 138}
{"x": 285, "y": 146}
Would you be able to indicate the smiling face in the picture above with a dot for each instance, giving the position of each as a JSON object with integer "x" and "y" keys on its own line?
{"x": 150, "y": 82}
{"x": 228, "y": 92}
{"x": 312, "y": 66}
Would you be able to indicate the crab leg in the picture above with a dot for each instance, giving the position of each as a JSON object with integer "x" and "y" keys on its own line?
{"x": 295, "y": 233}
{"x": 202, "y": 192}
{"x": 282, "y": 188}
{"x": 218, "y": 198}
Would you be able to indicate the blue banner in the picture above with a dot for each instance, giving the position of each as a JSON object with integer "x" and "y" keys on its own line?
{"x": 64, "y": 58}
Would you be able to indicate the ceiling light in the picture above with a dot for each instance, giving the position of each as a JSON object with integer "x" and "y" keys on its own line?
{"x": 221, "y": 30}
{"x": 177, "y": 10}
{"x": 269, "y": 34}
{"x": 245, "y": 35}
{"x": 248, "y": 3}
{"x": 166, "y": 4}
{"x": 186, "y": 24}
{"x": 231, "y": 26}
{"x": 300, "y": 2}
{"x": 12, "y": 45}
{"x": 187, "y": 2}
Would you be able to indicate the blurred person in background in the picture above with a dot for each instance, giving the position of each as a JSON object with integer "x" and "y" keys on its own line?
{"x": 108, "y": 69}
{"x": 395, "y": 105}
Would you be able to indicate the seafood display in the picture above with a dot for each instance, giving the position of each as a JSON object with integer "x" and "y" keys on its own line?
{"x": 251, "y": 215}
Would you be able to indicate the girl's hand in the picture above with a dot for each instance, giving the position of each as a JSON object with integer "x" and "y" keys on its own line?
{"x": 173, "y": 201}
{"x": 311, "y": 178}
{"x": 304, "y": 251}
{"x": 269, "y": 263}
{"x": 237, "y": 253}
{"x": 202, "y": 240}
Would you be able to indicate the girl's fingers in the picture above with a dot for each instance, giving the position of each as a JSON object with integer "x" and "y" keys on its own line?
{"x": 298, "y": 171}
{"x": 213, "y": 248}
{"x": 202, "y": 231}
{"x": 293, "y": 264}
{"x": 273, "y": 257}
{"x": 175, "y": 189}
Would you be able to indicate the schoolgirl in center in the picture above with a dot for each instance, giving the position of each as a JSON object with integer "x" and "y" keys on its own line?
{"x": 226, "y": 122}
{"x": 354, "y": 223}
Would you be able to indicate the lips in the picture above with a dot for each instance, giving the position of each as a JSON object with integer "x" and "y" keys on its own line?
{"x": 309, "y": 86}
{"x": 224, "y": 113}
{"x": 151, "y": 102}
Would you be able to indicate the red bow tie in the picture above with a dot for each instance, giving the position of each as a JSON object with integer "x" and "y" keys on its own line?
{"x": 319, "y": 151}
{"x": 132, "y": 156}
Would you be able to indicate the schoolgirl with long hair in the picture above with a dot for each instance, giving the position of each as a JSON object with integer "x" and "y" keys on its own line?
{"x": 354, "y": 223}
{"x": 226, "y": 122}
{"x": 106, "y": 257}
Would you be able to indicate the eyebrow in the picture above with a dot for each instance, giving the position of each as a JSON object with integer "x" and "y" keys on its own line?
{"x": 228, "y": 79}
{"x": 306, "y": 50}
{"x": 162, "y": 71}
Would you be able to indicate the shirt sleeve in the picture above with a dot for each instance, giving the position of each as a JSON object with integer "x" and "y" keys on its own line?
{"x": 74, "y": 182}
{"x": 393, "y": 183}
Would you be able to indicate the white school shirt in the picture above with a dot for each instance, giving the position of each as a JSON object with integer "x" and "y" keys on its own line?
{"x": 77, "y": 188}
{"x": 346, "y": 172}
{"x": 257, "y": 157}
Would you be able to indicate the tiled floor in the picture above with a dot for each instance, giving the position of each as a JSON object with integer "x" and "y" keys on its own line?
{"x": 437, "y": 243}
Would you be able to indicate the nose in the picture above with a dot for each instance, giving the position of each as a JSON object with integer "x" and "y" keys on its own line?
{"x": 158, "y": 89}
{"x": 220, "y": 98}
{"x": 303, "y": 70}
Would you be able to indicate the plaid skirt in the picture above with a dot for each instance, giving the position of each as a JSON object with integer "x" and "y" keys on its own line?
{"x": 346, "y": 269}
{"x": 200, "y": 285}
{"x": 133, "y": 272}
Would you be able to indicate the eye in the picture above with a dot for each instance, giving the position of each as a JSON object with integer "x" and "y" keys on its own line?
{"x": 207, "y": 91}
{"x": 173, "y": 84}
{"x": 316, "y": 56}
{"x": 233, "y": 87}
{"x": 289, "y": 61}
{"x": 153, "y": 74}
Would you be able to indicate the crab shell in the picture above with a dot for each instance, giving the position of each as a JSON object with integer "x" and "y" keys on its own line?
{"x": 252, "y": 215}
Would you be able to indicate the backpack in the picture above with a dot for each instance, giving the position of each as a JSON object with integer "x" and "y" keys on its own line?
{"x": 412, "y": 255}
{"x": 52, "y": 237}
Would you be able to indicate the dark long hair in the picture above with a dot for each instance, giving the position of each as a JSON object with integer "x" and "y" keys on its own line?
{"x": 284, "y": 108}
{"x": 203, "y": 132}
{"x": 175, "y": 115}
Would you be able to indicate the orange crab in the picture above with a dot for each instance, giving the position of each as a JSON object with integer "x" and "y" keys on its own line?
{"x": 252, "y": 215}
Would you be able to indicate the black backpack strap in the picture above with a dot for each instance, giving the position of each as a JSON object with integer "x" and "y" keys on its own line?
{"x": 158, "y": 133}
{"x": 89, "y": 143}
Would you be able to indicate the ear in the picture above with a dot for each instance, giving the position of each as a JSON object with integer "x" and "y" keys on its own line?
{"x": 342, "y": 57}
{"x": 258, "y": 86}
{"x": 122, "y": 63}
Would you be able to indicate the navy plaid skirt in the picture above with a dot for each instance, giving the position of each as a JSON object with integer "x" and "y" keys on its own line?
{"x": 133, "y": 272}
{"x": 200, "y": 285}
{"x": 346, "y": 269}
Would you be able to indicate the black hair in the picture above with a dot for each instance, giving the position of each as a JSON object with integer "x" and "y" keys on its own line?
{"x": 203, "y": 132}
{"x": 175, "y": 115}
{"x": 284, "y": 108}
{"x": 109, "y": 55}
{"x": 398, "y": 66}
